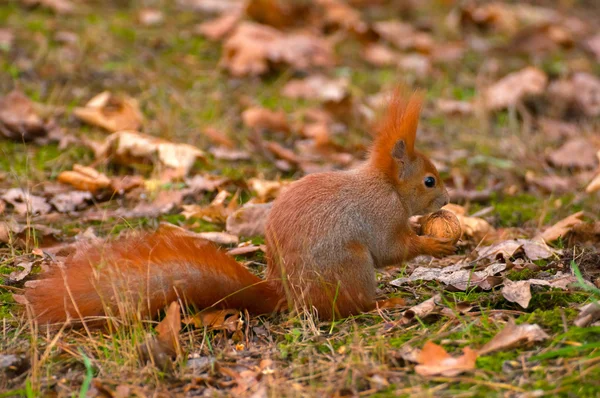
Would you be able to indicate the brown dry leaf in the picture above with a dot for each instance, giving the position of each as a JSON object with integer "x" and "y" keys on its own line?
{"x": 421, "y": 310}
{"x": 85, "y": 179}
{"x": 216, "y": 211}
{"x": 218, "y": 28}
{"x": 588, "y": 314}
{"x": 380, "y": 55}
{"x": 19, "y": 119}
{"x": 592, "y": 44}
{"x": 535, "y": 249}
{"x": 594, "y": 185}
{"x": 205, "y": 183}
{"x": 26, "y": 203}
{"x": 276, "y": 13}
{"x": 224, "y": 153}
{"x": 151, "y": 17}
{"x": 561, "y": 228}
{"x": 577, "y": 153}
{"x": 514, "y": 336}
{"x": 169, "y": 328}
{"x": 515, "y": 87}
{"x": 282, "y": 152}
{"x": 317, "y": 87}
{"x": 454, "y": 107}
{"x": 519, "y": 292}
{"x": 71, "y": 201}
{"x": 339, "y": 14}
{"x": 434, "y": 360}
{"x": 20, "y": 274}
{"x": 222, "y": 238}
{"x": 218, "y": 137}
{"x": 129, "y": 147}
{"x": 404, "y": 36}
{"x": 58, "y": 6}
{"x": 249, "y": 220}
{"x": 212, "y": 6}
{"x": 587, "y": 93}
{"x": 252, "y": 47}
{"x": 460, "y": 276}
{"x": 550, "y": 183}
{"x": 246, "y": 249}
{"x": 266, "y": 190}
{"x": 473, "y": 227}
{"x": 111, "y": 112}
{"x": 265, "y": 119}
{"x": 227, "y": 319}
{"x": 21, "y": 235}
{"x": 7, "y": 37}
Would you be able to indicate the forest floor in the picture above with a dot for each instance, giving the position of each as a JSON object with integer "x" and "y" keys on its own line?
{"x": 265, "y": 94}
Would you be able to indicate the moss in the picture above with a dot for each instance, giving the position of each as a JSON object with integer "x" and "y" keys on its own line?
{"x": 549, "y": 319}
{"x": 520, "y": 275}
{"x": 515, "y": 210}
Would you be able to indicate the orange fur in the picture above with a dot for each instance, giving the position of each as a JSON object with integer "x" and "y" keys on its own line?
{"x": 399, "y": 123}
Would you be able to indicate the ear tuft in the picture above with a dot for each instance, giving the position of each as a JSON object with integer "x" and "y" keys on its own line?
{"x": 397, "y": 131}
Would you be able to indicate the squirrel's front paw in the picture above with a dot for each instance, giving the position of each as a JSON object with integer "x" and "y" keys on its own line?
{"x": 440, "y": 247}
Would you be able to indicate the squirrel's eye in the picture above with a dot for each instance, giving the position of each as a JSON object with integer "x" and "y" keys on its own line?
{"x": 429, "y": 182}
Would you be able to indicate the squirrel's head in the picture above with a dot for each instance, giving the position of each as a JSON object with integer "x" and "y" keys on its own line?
{"x": 415, "y": 177}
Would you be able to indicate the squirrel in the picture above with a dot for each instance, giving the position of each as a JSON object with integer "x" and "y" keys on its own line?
{"x": 326, "y": 234}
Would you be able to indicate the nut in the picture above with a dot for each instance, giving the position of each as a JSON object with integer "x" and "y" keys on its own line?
{"x": 442, "y": 224}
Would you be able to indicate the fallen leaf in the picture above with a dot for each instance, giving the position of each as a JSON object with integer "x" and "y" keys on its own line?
{"x": 550, "y": 183}
{"x": 561, "y": 228}
{"x": 434, "y": 360}
{"x": 216, "y": 211}
{"x": 520, "y": 292}
{"x": 577, "y": 153}
{"x": 222, "y": 238}
{"x": 265, "y": 119}
{"x": 85, "y": 179}
{"x": 218, "y": 137}
{"x": 218, "y": 28}
{"x": 276, "y": 13}
{"x": 592, "y": 44}
{"x": 19, "y": 275}
{"x": 588, "y": 314}
{"x": 247, "y": 249}
{"x": 71, "y": 201}
{"x": 111, "y": 112}
{"x": 535, "y": 249}
{"x": 404, "y": 36}
{"x": 317, "y": 87}
{"x": 20, "y": 235}
{"x": 167, "y": 331}
{"x": 513, "y": 336}
{"x": 58, "y": 6}
{"x": 26, "y": 203}
{"x": 249, "y": 220}
{"x": 514, "y": 87}
{"x": 205, "y": 183}
{"x": 266, "y": 190}
{"x": 227, "y": 319}
{"x": 454, "y": 107}
{"x": 253, "y": 47}
{"x": 456, "y": 276}
{"x": 380, "y": 55}
{"x": 339, "y": 14}
{"x": 18, "y": 118}
{"x": 420, "y": 311}
{"x": 130, "y": 147}
{"x": 7, "y": 38}
{"x": 213, "y": 6}
{"x": 224, "y": 153}
{"x": 594, "y": 185}
{"x": 151, "y": 17}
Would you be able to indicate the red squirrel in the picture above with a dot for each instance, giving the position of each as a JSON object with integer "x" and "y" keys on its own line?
{"x": 325, "y": 235}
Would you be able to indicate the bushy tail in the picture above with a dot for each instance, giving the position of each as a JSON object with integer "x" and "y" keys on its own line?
{"x": 142, "y": 274}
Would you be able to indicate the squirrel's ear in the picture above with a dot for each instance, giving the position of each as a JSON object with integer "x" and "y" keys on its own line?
{"x": 400, "y": 155}
{"x": 397, "y": 132}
